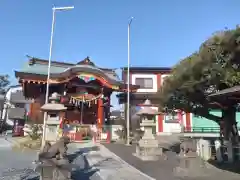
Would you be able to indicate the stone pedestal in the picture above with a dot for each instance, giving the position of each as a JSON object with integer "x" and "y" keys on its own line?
{"x": 217, "y": 144}
{"x": 190, "y": 166}
{"x": 52, "y": 131}
{"x": 49, "y": 172}
{"x": 230, "y": 151}
{"x": 198, "y": 149}
{"x": 205, "y": 149}
{"x": 147, "y": 148}
{"x": 53, "y": 112}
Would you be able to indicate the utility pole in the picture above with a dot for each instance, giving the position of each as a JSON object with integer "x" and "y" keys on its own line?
{"x": 128, "y": 84}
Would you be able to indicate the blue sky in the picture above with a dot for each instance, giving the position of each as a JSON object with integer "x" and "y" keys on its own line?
{"x": 163, "y": 31}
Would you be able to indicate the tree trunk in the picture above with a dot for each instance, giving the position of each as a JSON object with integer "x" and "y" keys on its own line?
{"x": 229, "y": 126}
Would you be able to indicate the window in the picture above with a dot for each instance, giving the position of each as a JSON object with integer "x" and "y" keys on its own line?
{"x": 172, "y": 118}
{"x": 52, "y": 115}
{"x": 144, "y": 83}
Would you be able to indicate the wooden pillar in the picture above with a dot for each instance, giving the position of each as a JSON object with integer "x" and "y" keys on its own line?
{"x": 188, "y": 122}
{"x": 100, "y": 113}
{"x": 160, "y": 116}
{"x": 30, "y": 110}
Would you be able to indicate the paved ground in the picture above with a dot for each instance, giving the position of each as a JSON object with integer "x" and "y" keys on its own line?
{"x": 169, "y": 169}
{"x": 110, "y": 167}
{"x": 102, "y": 164}
{"x": 15, "y": 165}
{"x": 90, "y": 162}
{"x": 4, "y": 144}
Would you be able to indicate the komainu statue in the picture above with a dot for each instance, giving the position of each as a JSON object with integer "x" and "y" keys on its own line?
{"x": 53, "y": 162}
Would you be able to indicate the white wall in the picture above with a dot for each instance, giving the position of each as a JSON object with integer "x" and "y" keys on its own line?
{"x": 171, "y": 127}
{"x": 164, "y": 76}
{"x": 168, "y": 128}
{"x": 8, "y": 97}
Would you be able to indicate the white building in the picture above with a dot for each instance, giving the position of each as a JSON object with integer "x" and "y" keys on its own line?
{"x": 15, "y": 105}
{"x": 150, "y": 80}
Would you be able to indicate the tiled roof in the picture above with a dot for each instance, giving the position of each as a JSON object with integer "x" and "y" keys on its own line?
{"x": 40, "y": 67}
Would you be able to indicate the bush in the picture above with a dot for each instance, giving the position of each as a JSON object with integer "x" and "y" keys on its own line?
{"x": 122, "y": 134}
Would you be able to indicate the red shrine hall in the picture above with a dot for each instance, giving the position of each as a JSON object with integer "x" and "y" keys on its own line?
{"x": 85, "y": 89}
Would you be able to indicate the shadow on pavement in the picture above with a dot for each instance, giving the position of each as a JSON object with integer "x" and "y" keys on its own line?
{"x": 72, "y": 157}
{"x": 81, "y": 151}
{"x": 85, "y": 173}
{"x": 231, "y": 167}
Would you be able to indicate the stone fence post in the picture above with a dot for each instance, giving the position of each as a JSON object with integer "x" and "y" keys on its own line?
{"x": 218, "y": 150}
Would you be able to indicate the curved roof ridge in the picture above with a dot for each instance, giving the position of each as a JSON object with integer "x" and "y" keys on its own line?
{"x": 82, "y": 66}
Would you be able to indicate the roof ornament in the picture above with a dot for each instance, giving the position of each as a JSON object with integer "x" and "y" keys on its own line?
{"x": 147, "y": 109}
{"x": 54, "y": 104}
{"x": 86, "y": 61}
{"x": 31, "y": 61}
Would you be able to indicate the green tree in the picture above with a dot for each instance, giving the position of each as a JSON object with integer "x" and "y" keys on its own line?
{"x": 215, "y": 66}
{"x": 4, "y": 82}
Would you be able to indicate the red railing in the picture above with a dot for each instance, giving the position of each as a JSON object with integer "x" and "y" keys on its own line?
{"x": 87, "y": 134}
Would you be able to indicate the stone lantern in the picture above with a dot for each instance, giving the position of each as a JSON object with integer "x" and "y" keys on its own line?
{"x": 147, "y": 148}
{"x": 53, "y": 110}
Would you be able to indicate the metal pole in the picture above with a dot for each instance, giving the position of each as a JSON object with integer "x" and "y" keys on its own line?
{"x": 128, "y": 86}
{"x": 48, "y": 77}
{"x": 54, "y": 9}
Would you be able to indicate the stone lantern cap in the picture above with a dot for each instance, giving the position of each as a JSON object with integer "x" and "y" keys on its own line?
{"x": 54, "y": 97}
{"x": 53, "y": 106}
{"x": 147, "y": 110}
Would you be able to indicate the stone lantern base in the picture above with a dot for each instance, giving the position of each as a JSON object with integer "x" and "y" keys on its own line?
{"x": 147, "y": 148}
{"x": 190, "y": 166}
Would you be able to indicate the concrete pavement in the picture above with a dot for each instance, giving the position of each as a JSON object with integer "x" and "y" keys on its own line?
{"x": 15, "y": 165}
{"x": 89, "y": 162}
{"x": 4, "y": 143}
{"x": 108, "y": 166}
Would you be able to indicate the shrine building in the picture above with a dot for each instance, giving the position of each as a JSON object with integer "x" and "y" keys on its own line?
{"x": 84, "y": 88}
